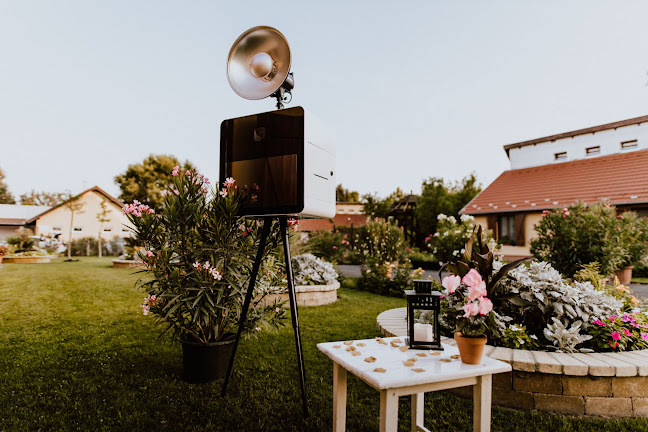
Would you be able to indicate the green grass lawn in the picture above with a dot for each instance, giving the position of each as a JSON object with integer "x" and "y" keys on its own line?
{"x": 76, "y": 353}
{"x": 640, "y": 280}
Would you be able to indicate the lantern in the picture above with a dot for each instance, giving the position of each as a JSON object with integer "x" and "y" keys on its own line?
{"x": 423, "y": 308}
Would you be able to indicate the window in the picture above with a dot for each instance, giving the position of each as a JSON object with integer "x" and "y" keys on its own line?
{"x": 561, "y": 155}
{"x": 107, "y": 230}
{"x": 593, "y": 150}
{"x": 56, "y": 229}
{"x": 77, "y": 229}
{"x": 506, "y": 231}
{"x": 125, "y": 230}
{"x": 341, "y": 211}
{"x": 629, "y": 144}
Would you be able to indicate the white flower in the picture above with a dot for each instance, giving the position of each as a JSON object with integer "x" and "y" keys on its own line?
{"x": 441, "y": 217}
{"x": 467, "y": 218}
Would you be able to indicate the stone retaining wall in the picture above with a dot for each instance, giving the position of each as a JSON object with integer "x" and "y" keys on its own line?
{"x": 26, "y": 259}
{"x": 599, "y": 384}
{"x": 311, "y": 295}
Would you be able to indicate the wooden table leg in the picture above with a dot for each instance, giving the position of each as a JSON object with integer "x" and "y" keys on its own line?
{"x": 388, "y": 411}
{"x": 417, "y": 411}
{"x": 482, "y": 392}
{"x": 339, "y": 398}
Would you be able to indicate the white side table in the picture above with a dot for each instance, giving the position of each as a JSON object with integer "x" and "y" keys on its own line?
{"x": 439, "y": 372}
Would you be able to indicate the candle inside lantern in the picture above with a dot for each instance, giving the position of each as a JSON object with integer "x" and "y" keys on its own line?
{"x": 423, "y": 332}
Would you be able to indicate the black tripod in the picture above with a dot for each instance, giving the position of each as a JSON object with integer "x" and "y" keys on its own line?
{"x": 283, "y": 226}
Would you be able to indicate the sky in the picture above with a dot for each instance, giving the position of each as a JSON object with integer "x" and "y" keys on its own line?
{"x": 411, "y": 89}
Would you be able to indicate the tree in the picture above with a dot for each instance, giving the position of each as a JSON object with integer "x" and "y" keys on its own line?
{"x": 438, "y": 197}
{"x": 376, "y": 207}
{"x": 75, "y": 206}
{"x": 103, "y": 218}
{"x": 5, "y": 196}
{"x": 345, "y": 195}
{"x": 42, "y": 198}
{"x": 146, "y": 180}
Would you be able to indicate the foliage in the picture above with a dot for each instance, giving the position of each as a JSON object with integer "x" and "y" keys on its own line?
{"x": 147, "y": 180}
{"x": 88, "y": 246}
{"x": 380, "y": 240}
{"x": 516, "y": 336}
{"x": 620, "y": 332}
{"x": 199, "y": 254}
{"x": 376, "y": 207}
{"x": 590, "y": 273}
{"x": 5, "y": 196}
{"x": 447, "y": 243}
{"x": 43, "y": 198}
{"x": 385, "y": 278}
{"x": 310, "y": 270}
{"x": 332, "y": 246}
{"x": 571, "y": 237}
{"x": 441, "y": 197}
{"x": 421, "y": 259}
{"x": 565, "y": 339}
{"x": 343, "y": 194}
{"x": 23, "y": 239}
{"x": 473, "y": 288}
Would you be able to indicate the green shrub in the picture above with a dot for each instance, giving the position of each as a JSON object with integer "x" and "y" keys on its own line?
{"x": 332, "y": 246}
{"x": 570, "y": 237}
{"x": 385, "y": 278}
{"x": 381, "y": 241}
{"x": 447, "y": 243}
{"x": 87, "y": 246}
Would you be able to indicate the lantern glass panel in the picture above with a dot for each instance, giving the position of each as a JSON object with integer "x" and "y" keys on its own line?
{"x": 423, "y": 320}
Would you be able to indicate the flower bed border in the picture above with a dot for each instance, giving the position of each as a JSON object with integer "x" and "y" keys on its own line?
{"x": 598, "y": 384}
{"x": 311, "y": 295}
{"x": 26, "y": 259}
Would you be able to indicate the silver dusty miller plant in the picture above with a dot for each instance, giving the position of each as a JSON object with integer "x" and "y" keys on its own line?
{"x": 565, "y": 339}
{"x": 310, "y": 270}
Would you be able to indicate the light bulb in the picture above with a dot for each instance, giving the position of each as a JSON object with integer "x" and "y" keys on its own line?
{"x": 261, "y": 65}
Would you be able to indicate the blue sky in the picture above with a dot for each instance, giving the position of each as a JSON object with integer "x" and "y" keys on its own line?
{"x": 411, "y": 89}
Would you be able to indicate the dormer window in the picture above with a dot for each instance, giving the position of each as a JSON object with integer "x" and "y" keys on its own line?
{"x": 629, "y": 144}
{"x": 560, "y": 156}
{"x": 589, "y": 151}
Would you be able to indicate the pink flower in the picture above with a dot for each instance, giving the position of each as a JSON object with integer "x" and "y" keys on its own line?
{"x": 223, "y": 193}
{"x": 477, "y": 291}
{"x": 616, "y": 344}
{"x": 615, "y": 335}
{"x": 598, "y": 322}
{"x": 258, "y": 329}
{"x": 277, "y": 310}
{"x": 335, "y": 247}
{"x": 197, "y": 265}
{"x": 216, "y": 274}
{"x": 229, "y": 182}
{"x": 292, "y": 223}
{"x": 627, "y": 332}
{"x": 451, "y": 283}
{"x": 626, "y": 318}
{"x": 149, "y": 253}
{"x": 485, "y": 306}
{"x": 472, "y": 278}
{"x": 470, "y": 309}
{"x": 174, "y": 173}
{"x": 644, "y": 336}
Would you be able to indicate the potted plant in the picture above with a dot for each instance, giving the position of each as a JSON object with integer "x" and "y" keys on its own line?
{"x": 4, "y": 250}
{"x": 471, "y": 288}
{"x": 199, "y": 253}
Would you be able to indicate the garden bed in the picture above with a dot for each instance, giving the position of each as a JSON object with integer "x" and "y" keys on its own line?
{"x": 27, "y": 259}
{"x": 598, "y": 384}
{"x": 311, "y": 295}
{"x": 128, "y": 264}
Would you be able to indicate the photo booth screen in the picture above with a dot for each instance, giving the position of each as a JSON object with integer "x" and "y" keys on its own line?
{"x": 267, "y": 149}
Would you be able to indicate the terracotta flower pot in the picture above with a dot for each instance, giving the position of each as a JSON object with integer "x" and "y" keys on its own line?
{"x": 625, "y": 275}
{"x": 470, "y": 349}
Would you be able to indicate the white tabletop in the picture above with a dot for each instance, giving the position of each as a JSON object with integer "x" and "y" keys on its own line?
{"x": 436, "y": 368}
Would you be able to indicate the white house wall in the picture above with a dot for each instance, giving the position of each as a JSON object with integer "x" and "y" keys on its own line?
{"x": 609, "y": 141}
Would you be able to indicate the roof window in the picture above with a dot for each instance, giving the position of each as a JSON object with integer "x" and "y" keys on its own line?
{"x": 592, "y": 150}
{"x": 629, "y": 144}
{"x": 560, "y": 155}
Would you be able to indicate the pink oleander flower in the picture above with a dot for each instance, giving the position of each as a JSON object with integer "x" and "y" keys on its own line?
{"x": 223, "y": 192}
{"x": 627, "y": 332}
{"x": 145, "y": 309}
{"x": 216, "y": 274}
{"x": 451, "y": 283}
{"x": 258, "y": 329}
{"x": 470, "y": 309}
{"x": 277, "y": 310}
{"x": 472, "y": 278}
{"x": 229, "y": 182}
{"x": 615, "y": 335}
{"x": 485, "y": 306}
{"x": 598, "y": 322}
{"x": 149, "y": 253}
{"x": 335, "y": 247}
{"x": 174, "y": 173}
{"x": 197, "y": 265}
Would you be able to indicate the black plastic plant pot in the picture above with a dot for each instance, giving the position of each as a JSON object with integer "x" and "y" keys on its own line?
{"x": 205, "y": 362}
{"x": 422, "y": 286}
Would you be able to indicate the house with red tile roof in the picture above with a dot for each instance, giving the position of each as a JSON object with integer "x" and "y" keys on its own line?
{"x": 605, "y": 162}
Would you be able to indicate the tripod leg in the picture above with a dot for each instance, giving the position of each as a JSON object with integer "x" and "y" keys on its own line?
{"x": 248, "y": 298}
{"x": 283, "y": 223}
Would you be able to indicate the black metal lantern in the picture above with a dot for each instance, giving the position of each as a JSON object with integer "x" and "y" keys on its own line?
{"x": 423, "y": 310}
